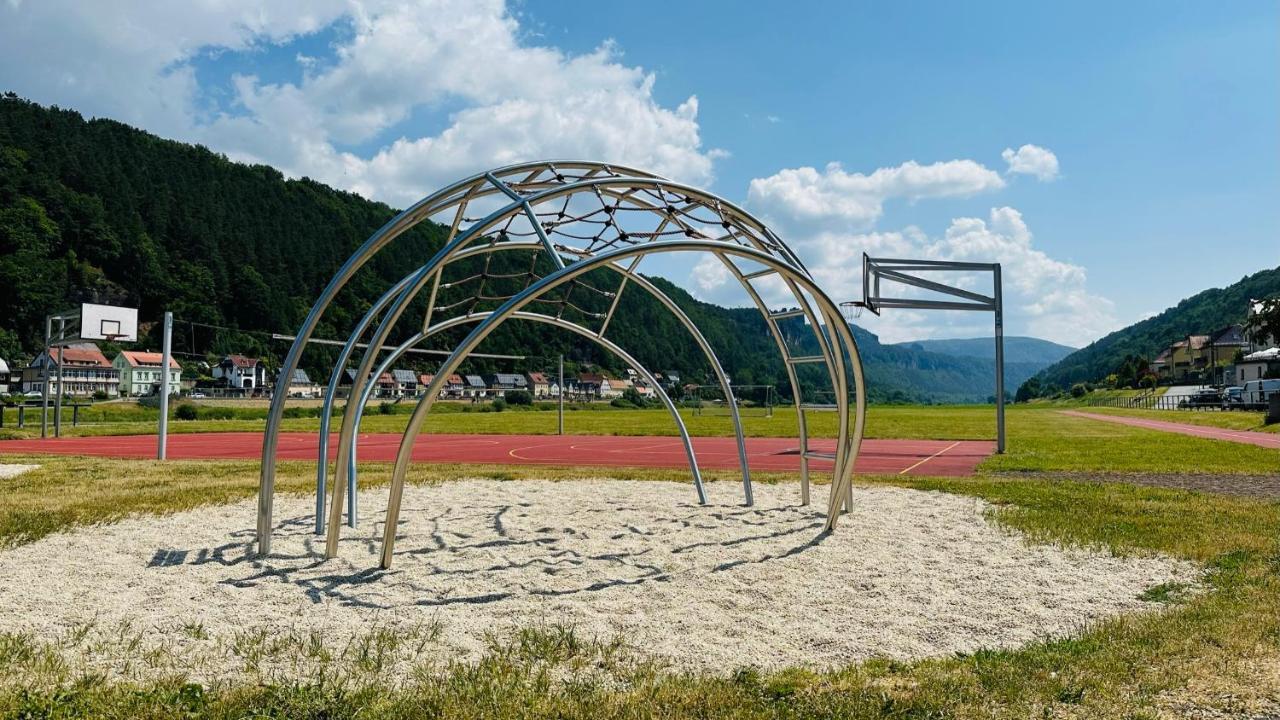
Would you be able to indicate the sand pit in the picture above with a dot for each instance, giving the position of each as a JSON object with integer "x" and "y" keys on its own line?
{"x": 908, "y": 574}
{"x": 12, "y": 470}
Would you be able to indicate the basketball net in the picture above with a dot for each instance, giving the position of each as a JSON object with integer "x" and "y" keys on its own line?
{"x": 852, "y": 310}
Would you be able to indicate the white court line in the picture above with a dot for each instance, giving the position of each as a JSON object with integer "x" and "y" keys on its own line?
{"x": 913, "y": 467}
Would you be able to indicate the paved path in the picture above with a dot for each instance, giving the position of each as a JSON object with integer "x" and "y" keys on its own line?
{"x": 1261, "y": 439}
{"x": 917, "y": 457}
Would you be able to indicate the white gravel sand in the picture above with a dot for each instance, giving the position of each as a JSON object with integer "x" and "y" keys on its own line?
{"x": 11, "y": 470}
{"x": 908, "y": 574}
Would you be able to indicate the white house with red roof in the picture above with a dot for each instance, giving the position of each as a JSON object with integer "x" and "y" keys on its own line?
{"x": 241, "y": 372}
{"x": 140, "y": 373}
{"x": 85, "y": 371}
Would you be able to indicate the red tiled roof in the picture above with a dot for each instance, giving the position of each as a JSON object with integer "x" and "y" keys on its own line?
{"x": 455, "y": 379}
{"x": 242, "y": 361}
{"x": 137, "y": 358}
{"x": 80, "y": 355}
{"x": 426, "y": 378}
{"x": 537, "y": 377}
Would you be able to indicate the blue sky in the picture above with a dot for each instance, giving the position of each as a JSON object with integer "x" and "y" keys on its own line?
{"x": 1161, "y": 121}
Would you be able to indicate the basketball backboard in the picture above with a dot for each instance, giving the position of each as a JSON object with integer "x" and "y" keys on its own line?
{"x": 108, "y": 322}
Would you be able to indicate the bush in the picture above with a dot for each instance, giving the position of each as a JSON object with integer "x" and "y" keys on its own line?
{"x": 519, "y": 397}
{"x": 186, "y": 411}
{"x": 1079, "y": 390}
{"x": 634, "y": 397}
{"x": 99, "y": 394}
{"x": 622, "y": 402}
{"x": 499, "y": 404}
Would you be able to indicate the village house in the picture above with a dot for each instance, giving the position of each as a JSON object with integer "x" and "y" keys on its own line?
{"x": 85, "y": 371}
{"x": 386, "y": 386}
{"x": 474, "y": 387}
{"x": 240, "y": 372}
{"x": 455, "y": 386}
{"x": 588, "y": 385}
{"x": 500, "y": 383}
{"x": 540, "y": 385}
{"x": 140, "y": 373}
{"x": 4, "y": 377}
{"x": 1256, "y": 365}
{"x": 611, "y": 388}
{"x": 301, "y": 385}
{"x": 406, "y": 383}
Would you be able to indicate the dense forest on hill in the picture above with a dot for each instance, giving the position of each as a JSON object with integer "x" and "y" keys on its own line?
{"x": 94, "y": 210}
{"x": 1199, "y": 314}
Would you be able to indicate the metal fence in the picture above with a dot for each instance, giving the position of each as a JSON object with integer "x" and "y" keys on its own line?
{"x": 1154, "y": 401}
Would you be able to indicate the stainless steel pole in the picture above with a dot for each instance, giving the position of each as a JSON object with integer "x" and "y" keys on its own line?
{"x": 166, "y": 354}
{"x": 44, "y": 386}
{"x": 560, "y": 415}
{"x": 999, "y": 362}
{"x": 62, "y": 376}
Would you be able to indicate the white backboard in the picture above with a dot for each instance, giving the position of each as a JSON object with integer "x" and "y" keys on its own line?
{"x": 108, "y": 322}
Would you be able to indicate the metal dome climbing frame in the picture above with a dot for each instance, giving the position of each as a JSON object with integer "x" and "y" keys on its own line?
{"x": 579, "y": 224}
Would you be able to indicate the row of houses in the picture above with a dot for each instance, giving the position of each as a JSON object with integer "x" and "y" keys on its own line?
{"x": 1228, "y": 356}
{"x": 86, "y": 371}
{"x": 397, "y": 384}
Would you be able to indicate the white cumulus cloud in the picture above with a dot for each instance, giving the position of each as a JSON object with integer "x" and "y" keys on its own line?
{"x": 1032, "y": 160}
{"x": 829, "y": 219}
{"x": 503, "y": 98}
{"x": 836, "y": 198}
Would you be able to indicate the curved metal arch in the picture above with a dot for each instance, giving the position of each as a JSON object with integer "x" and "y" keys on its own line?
{"x": 522, "y": 204}
{"x": 843, "y": 465}
{"x": 456, "y": 194}
{"x": 605, "y": 343}
{"x": 381, "y": 304}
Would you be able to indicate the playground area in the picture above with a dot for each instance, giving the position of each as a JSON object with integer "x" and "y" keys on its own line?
{"x": 703, "y": 588}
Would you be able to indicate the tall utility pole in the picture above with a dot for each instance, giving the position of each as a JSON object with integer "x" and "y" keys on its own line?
{"x": 560, "y": 417}
{"x": 166, "y": 355}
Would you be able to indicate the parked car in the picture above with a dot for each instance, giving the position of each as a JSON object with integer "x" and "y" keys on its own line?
{"x": 198, "y": 396}
{"x": 1232, "y": 396}
{"x": 1204, "y": 397}
{"x": 1256, "y": 392}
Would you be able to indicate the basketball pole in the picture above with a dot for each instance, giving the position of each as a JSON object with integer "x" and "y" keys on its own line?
{"x": 999, "y": 313}
{"x": 44, "y": 385}
{"x": 166, "y": 355}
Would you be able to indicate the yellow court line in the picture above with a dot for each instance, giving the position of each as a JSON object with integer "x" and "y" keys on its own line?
{"x": 913, "y": 467}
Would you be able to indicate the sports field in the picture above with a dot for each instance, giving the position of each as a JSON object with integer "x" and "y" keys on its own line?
{"x": 1199, "y": 640}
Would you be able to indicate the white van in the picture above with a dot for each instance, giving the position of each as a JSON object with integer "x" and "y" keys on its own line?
{"x": 1256, "y": 392}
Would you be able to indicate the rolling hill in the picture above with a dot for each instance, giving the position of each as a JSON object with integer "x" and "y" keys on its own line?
{"x": 1017, "y": 348}
{"x": 1199, "y": 314}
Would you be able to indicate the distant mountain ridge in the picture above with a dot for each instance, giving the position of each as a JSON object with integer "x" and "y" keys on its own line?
{"x": 1201, "y": 313}
{"x": 1017, "y": 348}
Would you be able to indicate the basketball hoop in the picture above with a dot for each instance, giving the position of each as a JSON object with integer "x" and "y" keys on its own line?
{"x": 852, "y": 310}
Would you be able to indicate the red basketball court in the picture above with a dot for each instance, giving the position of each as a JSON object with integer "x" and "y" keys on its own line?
{"x": 917, "y": 457}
